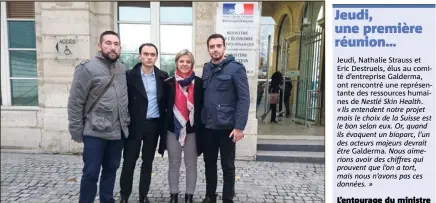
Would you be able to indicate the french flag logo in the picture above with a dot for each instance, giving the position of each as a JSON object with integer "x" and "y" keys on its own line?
{"x": 238, "y": 8}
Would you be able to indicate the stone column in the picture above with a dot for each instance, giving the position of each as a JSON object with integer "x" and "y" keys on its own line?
{"x": 204, "y": 22}
{"x": 102, "y": 19}
{"x": 293, "y": 65}
{"x": 67, "y": 33}
{"x": 247, "y": 148}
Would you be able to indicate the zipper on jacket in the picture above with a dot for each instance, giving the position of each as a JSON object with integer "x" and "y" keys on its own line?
{"x": 120, "y": 116}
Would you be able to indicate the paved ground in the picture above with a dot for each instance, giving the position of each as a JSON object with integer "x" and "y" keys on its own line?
{"x": 285, "y": 126}
{"x": 56, "y": 178}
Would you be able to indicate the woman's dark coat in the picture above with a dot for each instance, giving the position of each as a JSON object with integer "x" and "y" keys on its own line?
{"x": 170, "y": 92}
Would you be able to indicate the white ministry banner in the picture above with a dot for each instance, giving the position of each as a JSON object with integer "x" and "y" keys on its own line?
{"x": 239, "y": 23}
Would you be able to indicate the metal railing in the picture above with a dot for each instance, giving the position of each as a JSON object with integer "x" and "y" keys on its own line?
{"x": 314, "y": 106}
{"x": 310, "y": 56}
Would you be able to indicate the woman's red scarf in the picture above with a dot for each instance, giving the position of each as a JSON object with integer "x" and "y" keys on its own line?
{"x": 183, "y": 105}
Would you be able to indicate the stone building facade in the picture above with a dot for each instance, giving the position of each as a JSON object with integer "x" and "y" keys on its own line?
{"x": 298, "y": 46}
{"x": 44, "y": 41}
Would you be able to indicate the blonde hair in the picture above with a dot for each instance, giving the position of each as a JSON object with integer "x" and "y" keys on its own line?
{"x": 185, "y": 52}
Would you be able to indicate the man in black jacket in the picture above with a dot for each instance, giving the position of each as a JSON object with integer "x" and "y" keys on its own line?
{"x": 147, "y": 112}
{"x": 287, "y": 95}
{"x": 276, "y": 82}
{"x": 225, "y": 115}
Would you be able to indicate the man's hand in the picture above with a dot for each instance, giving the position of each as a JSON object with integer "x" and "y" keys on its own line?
{"x": 78, "y": 139}
{"x": 237, "y": 135}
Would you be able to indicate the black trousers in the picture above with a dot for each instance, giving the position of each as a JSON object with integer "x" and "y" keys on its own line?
{"x": 287, "y": 104}
{"x": 132, "y": 147}
{"x": 273, "y": 108}
{"x": 219, "y": 140}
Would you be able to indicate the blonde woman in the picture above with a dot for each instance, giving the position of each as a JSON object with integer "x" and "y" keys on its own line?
{"x": 184, "y": 97}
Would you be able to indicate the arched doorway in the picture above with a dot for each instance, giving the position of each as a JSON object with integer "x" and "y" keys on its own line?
{"x": 308, "y": 92}
{"x": 280, "y": 59}
{"x": 282, "y": 49}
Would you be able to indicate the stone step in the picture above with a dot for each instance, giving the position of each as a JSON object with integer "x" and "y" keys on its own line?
{"x": 291, "y": 156}
{"x": 290, "y": 145}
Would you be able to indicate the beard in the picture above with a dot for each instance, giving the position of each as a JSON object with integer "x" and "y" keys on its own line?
{"x": 109, "y": 57}
{"x": 216, "y": 56}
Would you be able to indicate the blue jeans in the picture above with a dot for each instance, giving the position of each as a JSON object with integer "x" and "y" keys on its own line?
{"x": 99, "y": 153}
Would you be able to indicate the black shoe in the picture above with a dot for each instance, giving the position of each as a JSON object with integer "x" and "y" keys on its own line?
{"x": 209, "y": 200}
{"x": 188, "y": 198}
{"x": 228, "y": 201}
{"x": 144, "y": 200}
{"x": 174, "y": 198}
{"x": 124, "y": 200}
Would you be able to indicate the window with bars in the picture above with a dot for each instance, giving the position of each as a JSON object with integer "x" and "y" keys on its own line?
{"x": 168, "y": 25}
{"x": 19, "y": 71}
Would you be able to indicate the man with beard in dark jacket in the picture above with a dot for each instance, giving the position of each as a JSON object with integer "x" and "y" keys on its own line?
{"x": 225, "y": 115}
{"x": 98, "y": 116}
